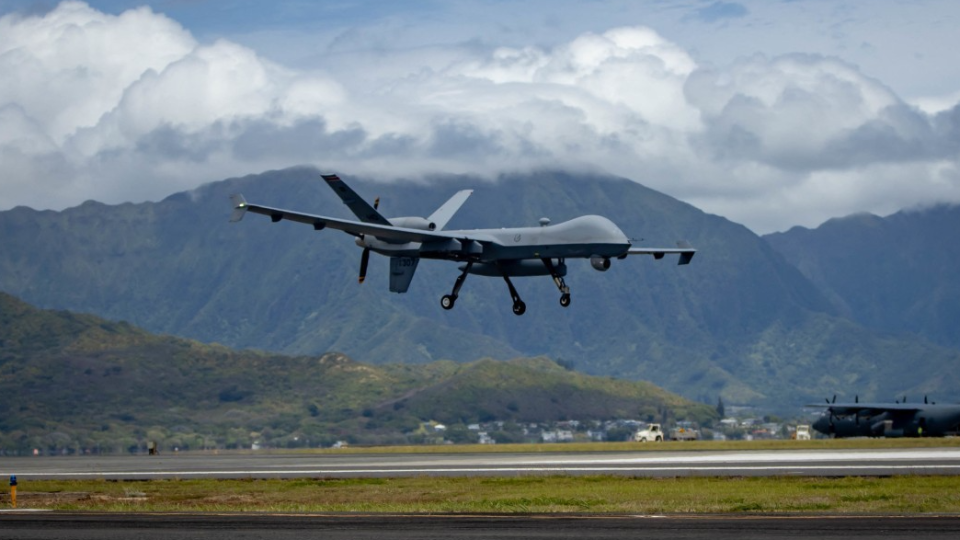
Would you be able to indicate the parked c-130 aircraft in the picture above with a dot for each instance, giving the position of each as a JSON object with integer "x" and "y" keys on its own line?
{"x": 508, "y": 252}
{"x": 897, "y": 419}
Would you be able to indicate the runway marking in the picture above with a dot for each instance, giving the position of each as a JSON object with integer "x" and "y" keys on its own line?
{"x": 773, "y": 457}
{"x": 785, "y": 463}
{"x": 474, "y": 470}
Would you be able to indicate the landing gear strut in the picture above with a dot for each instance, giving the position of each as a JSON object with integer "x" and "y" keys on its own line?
{"x": 558, "y": 281}
{"x": 449, "y": 300}
{"x": 519, "y": 308}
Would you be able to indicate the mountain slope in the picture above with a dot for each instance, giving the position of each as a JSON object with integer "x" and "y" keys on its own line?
{"x": 178, "y": 267}
{"x": 77, "y": 381}
{"x": 896, "y": 274}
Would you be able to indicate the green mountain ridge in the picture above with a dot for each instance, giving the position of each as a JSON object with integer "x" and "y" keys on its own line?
{"x": 77, "y": 382}
{"x": 894, "y": 273}
{"x": 713, "y": 328}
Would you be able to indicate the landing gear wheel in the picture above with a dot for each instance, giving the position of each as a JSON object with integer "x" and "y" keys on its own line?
{"x": 448, "y": 301}
{"x": 565, "y": 299}
{"x": 519, "y": 308}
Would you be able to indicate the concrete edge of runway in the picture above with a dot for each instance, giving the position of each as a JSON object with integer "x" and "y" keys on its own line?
{"x": 478, "y": 515}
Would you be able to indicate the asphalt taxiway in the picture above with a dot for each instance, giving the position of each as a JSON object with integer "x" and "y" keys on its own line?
{"x": 931, "y": 461}
{"x": 60, "y": 526}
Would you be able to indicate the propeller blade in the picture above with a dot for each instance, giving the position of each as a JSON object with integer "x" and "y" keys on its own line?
{"x": 834, "y": 398}
{"x": 364, "y": 260}
{"x": 365, "y": 257}
{"x": 925, "y": 399}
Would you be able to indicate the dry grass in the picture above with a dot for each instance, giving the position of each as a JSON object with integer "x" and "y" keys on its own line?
{"x": 522, "y": 494}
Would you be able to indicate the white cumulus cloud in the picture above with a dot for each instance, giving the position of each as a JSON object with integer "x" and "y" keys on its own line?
{"x": 133, "y": 107}
{"x": 69, "y": 67}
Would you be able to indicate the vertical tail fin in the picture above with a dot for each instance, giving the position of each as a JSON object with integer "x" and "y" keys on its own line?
{"x": 446, "y": 211}
{"x": 354, "y": 202}
{"x": 401, "y": 273}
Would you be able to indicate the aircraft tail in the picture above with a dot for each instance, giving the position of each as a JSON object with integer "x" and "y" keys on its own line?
{"x": 401, "y": 273}
{"x": 354, "y": 202}
{"x": 446, "y": 211}
{"x": 369, "y": 214}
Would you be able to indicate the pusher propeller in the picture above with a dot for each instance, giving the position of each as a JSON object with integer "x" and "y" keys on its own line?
{"x": 365, "y": 256}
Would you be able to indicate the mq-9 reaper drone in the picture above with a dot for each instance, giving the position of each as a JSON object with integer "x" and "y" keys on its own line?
{"x": 508, "y": 252}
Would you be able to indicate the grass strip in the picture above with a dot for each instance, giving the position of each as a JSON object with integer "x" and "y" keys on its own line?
{"x": 907, "y": 494}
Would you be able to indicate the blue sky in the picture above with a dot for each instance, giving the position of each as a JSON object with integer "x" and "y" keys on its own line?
{"x": 771, "y": 113}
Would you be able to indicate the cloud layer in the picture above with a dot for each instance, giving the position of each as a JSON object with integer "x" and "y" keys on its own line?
{"x": 133, "y": 107}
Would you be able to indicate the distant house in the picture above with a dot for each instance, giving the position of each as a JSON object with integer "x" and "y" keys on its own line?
{"x": 559, "y": 435}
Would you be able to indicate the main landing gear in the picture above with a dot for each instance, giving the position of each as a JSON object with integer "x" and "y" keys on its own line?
{"x": 558, "y": 281}
{"x": 519, "y": 307}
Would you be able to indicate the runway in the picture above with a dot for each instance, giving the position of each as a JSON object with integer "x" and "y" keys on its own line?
{"x": 934, "y": 461}
{"x": 157, "y": 526}
{"x": 379, "y": 527}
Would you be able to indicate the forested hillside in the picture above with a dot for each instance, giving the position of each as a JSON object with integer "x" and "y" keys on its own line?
{"x": 898, "y": 274}
{"x": 739, "y": 322}
{"x": 79, "y": 383}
